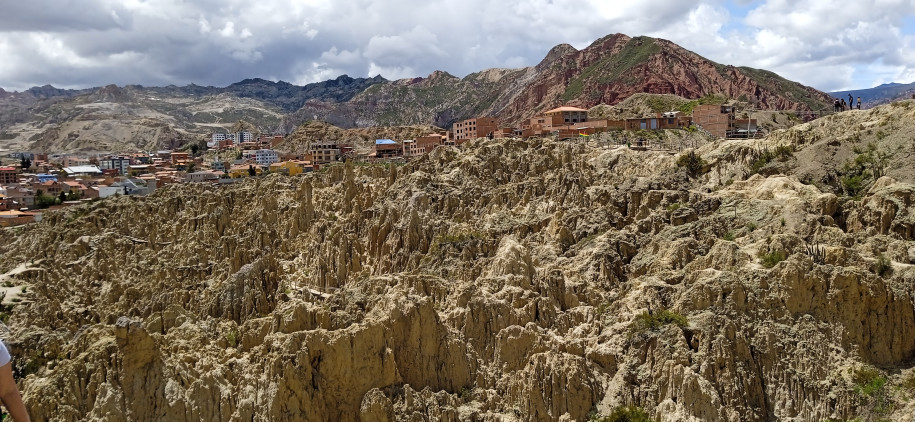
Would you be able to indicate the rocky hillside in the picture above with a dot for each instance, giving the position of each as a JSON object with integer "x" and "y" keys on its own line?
{"x": 127, "y": 119}
{"x": 607, "y": 72}
{"x": 505, "y": 280}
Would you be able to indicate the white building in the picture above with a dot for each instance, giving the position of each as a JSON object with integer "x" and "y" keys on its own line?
{"x": 266, "y": 157}
{"x": 121, "y": 164}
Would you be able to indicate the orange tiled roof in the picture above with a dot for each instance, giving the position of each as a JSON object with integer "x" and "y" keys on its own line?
{"x": 564, "y": 108}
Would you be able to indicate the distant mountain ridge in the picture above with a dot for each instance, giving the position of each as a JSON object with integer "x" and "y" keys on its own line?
{"x": 608, "y": 71}
{"x": 882, "y": 94}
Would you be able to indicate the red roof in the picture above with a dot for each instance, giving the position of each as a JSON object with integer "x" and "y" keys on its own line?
{"x": 7, "y": 169}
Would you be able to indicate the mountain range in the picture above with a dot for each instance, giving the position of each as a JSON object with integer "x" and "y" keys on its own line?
{"x": 606, "y": 72}
{"x": 882, "y": 94}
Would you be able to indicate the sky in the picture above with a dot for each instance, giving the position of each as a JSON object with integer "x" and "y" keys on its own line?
{"x": 830, "y": 45}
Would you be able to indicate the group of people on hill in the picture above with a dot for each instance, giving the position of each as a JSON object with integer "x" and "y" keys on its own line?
{"x": 841, "y": 105}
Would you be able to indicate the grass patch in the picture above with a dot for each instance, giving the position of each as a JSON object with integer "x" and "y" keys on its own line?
{"x": 729, "y": 236}
{"x": 673, "y": 207}
{"x": 772, "y": 259}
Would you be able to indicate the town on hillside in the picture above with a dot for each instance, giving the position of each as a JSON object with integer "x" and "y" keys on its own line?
{"x": 30, "y": 182}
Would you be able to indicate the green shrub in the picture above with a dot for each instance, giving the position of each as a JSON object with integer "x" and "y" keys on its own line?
{"x": 692, "y": 162}
{"x": 654, "y": 321}
{"x": 729, "y": 236}
{"x": 232, "y": 338}
{"x": 868, "y": 380}
{"x": 673, "y": 207}
{"x": 770, "y": 259}
{"x": 766, "y": 156}
{"x": 883, "y": 265}
{"x": 751, "y": 226}
{"x": 870, "y": 384}
{"x": 625, "y": 414}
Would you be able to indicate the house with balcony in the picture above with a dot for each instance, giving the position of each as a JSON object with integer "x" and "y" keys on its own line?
{"x": 387, "y": 148}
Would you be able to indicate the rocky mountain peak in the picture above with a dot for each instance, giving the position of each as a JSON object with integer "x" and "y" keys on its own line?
{"x": 556, "y": 53}
{"x": 110, "y": 94}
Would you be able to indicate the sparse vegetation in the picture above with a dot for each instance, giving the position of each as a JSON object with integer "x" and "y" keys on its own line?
{"x": 232, "y": 338}
{"x": 870, "y": 384}
{"x": 624, "y": 414}
{"x": 649, "y": 321}
{"x": 817, "y": 253}
{"x": 673, "y": 207}
{"x": 868, "y": 166}
{"x": 766, "y": 156}
{"x": 771, "y": 259}
{"x": 883, "y": 265}
{"x": 729, "y": 236}
{"x": 692, "y": 162}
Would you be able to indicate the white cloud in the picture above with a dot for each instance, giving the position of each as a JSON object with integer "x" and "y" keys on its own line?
{"x": 827, "y": 44}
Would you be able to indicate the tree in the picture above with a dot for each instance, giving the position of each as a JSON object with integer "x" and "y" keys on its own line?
{"x": 25, "y": 164}
{"x": 251, "y": 171}
{"x": 190, "y": 167}
{"x": 62, "y": 196}
{"x": 44, "y": 200}
{"x": 194, "y": 149}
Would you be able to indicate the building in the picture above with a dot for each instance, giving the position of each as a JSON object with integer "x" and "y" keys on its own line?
{"x": 219, "y": 166}
{"x": 16, "y": 218}
{"x": 566, "y": 115}
{"x": 8, "y": 176}
{"x": 201, "y": 176}
{"x": 387, "y": 148}
{"x": 266, "y": 157}
{"x": 474, "y": 128}
{"x": 81, "y": 170}
{"x": 291, "y": 168}
{"x": 121, "y": 164}
{"x": 324, "y": 152}
{"x": 74, "y": 161}
{"x": 179, "y": 158}
{"x": 243, "y": 170}
{"x": 721, "y": 121}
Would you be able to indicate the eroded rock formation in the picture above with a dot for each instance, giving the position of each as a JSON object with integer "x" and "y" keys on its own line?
{"x": 507, "y": 280}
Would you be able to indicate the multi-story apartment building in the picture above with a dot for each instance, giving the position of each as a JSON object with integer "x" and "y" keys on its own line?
{"x": 8, "y": 176}
{"x": 266, "y": 157}
{"x": 120, "y": 164}
{"x": 474, "y": 128}
{"x": 324, "y": 152}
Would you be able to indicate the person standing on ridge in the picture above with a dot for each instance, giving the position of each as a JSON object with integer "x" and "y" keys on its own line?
{"x": 859, "y": 103}
{"x": 9, "y": 393}
{"x": 843, "y": 105}
{"x": 835, "y": 106}
{"x": 851, "y": 102}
